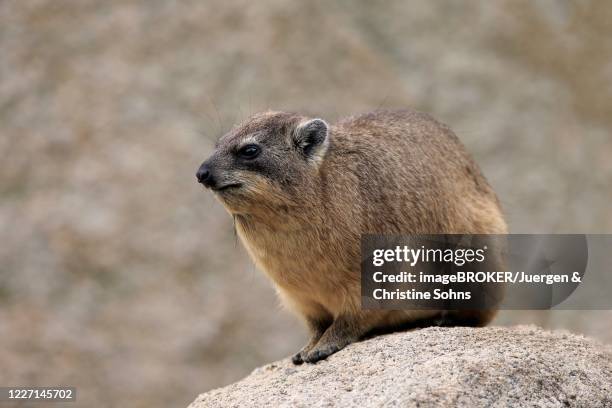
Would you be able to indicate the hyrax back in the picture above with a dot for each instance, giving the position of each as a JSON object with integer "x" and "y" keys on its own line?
{"x": 302, "y": 193}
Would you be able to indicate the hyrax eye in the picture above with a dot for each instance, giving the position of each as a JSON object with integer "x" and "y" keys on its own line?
{"x": 249, "y": 151}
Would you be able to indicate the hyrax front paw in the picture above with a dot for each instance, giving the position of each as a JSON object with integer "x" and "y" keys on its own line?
{"x": 299, "y": 357}
{"x": 320, "y": 353}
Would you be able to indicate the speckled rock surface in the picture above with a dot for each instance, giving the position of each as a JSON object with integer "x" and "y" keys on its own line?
{"x": 495, "y": 366}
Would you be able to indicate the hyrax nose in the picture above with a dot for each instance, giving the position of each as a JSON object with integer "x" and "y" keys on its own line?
{"x": 204, "y": 175}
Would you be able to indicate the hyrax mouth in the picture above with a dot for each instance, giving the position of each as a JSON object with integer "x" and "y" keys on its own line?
{"x": 227, "y": 187}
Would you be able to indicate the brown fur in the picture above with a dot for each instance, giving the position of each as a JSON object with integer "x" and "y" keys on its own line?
{"x": 301, "y": 216}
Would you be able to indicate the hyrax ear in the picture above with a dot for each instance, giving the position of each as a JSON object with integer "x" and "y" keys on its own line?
{"x": 311, "y": 138}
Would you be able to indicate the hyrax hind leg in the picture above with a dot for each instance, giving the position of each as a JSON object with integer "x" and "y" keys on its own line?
{"x": 471, "y": 318}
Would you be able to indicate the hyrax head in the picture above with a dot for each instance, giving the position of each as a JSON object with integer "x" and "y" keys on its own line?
{"x": 265, "y": 162}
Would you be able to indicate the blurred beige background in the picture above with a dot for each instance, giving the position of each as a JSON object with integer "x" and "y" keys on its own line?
{"x": 121, "y": 276}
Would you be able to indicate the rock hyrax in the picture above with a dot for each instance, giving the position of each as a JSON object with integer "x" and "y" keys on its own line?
{"x": 302, "y": 192}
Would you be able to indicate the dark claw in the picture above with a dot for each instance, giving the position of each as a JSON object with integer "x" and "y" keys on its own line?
{"x": 297, "y": 359}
